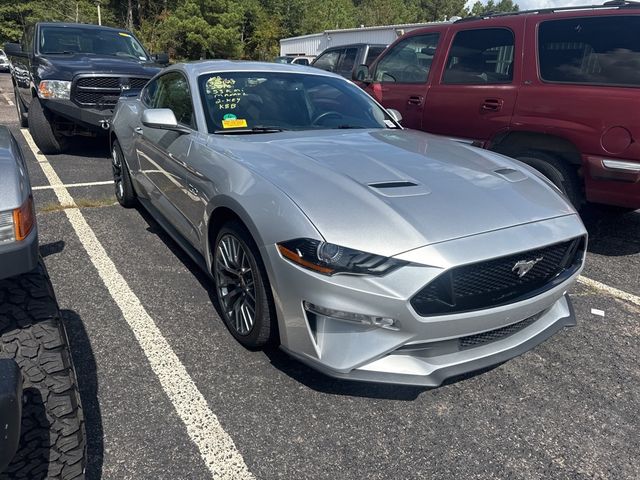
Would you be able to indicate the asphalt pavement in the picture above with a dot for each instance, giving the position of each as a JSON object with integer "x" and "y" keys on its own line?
{"x": 567, "y": 409}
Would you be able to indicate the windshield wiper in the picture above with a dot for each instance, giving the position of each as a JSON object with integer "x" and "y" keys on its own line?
{"x": 256, "y": 129}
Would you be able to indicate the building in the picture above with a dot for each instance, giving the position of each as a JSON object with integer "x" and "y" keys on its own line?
{"x": 316, "y": 43}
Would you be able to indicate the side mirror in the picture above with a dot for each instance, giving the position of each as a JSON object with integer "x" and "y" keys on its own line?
{"x": 161, "y": 58}
{"x": 361, "y": 74}
{"x": 162, "y": 119}
{"x": 395, "y": 114}
{"x": 14, "y": 49}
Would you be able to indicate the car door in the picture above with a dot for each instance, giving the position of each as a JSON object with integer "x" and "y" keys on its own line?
{"x": 328, "y": 60}
{"x": 401, "y": 76}
{"x": 163, "y": 153}
{"x": 475, "y": 96}
{"x": 347, "y": 62}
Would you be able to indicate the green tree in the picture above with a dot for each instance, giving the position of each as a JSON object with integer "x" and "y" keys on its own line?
{"x": 386, "y": 12}
{"x": 480, "y": 9}
{"x": 439, "y": 10}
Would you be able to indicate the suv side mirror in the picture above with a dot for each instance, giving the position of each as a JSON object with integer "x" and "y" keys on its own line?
{"x": 162, "y": 119}
{"x": 361, "y": 74}
{"x": 14, "y": 49}
{"x": 161, "y": 58}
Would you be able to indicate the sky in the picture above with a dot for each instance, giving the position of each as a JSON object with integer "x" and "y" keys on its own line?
{"x": 532, "y": 4}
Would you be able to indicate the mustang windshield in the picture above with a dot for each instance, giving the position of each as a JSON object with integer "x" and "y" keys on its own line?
{"x": 90, "y": 40}
{"x": 264, "y": 102}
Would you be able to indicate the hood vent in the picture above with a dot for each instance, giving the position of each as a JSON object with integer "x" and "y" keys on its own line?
{"x": 510, "y": 174}
{"x": 399, "y": 188}
{"x": 393, "y": 184}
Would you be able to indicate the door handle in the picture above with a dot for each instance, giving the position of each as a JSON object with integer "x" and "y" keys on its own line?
{"x": 138, "y": 130}
{"x": 492, "y": 105}
{"x": 415, "y": 100}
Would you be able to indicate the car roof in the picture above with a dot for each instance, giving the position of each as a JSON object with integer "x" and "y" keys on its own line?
{"x": 79, "y": 25}
{"x": 362, "y": 44}
{"x": 200, "y": 67}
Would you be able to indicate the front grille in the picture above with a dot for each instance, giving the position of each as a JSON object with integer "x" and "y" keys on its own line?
{"x": 497, "y": 282}
{"x": 471, "y": 341}
{"x": 103, "y": 92}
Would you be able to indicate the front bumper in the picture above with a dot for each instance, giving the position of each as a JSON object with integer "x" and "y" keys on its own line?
{"x": 423, "y": 350}
{"x": 10, "y": 410}
{"x": 19, "y": 257}
{"x": 89, "y": 118}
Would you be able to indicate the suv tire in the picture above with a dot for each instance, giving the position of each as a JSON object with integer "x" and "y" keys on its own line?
{"x": 562, "y": 175}
{"x": 52, "y": 437}
{"x": 22, "y": 116}
{"x": 263, "y": 328}
{"x": 42, "y": 131}
{"x": 125, "y": 193}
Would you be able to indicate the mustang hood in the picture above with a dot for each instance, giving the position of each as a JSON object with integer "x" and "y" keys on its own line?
{"x": 390, "y": 191}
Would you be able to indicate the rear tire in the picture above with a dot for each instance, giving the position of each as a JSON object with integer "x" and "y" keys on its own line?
{"x": 42, "y": 130}
{"x": 562, "y": 175}
{"x": 242, "y": 287}
{"x": 22, "y": 116}
{"x": 52, "y": 436}
{"x": 125, "y": 192}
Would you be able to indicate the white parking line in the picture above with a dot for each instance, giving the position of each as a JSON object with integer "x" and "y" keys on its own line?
{"x": 610, "y": 290}
{"x": 71, "y": 185}
{"x": 8, "y": 99}
{"x": 216, "y": 447}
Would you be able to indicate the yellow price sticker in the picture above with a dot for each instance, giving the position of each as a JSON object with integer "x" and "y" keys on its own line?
{"x": 234, "y": 123}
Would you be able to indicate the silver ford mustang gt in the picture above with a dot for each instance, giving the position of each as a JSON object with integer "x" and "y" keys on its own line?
{"x": 367, "y": 251}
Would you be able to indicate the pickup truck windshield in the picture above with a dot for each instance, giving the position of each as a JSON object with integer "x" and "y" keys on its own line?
{"x": 67, "y": 40}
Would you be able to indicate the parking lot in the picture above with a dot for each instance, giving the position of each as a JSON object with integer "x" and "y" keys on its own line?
{"x": 168, "y": 393}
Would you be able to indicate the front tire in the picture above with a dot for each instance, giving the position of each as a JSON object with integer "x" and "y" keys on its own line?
{"x": 42, "y": 130}
{"x": 563, "y": 175}
{"x": 242, "y": 287}
{"x": 125, "y": 192}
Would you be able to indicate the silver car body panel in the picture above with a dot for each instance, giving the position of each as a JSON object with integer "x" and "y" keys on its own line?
{"x": 457, "y": 205}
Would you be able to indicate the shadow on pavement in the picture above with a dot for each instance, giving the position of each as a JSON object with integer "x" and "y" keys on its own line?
{"x": 86, "y": 371}
{"x": 89, "y": 147}
{"x": 612, "y": 233}
{"x": 51, "y": 248}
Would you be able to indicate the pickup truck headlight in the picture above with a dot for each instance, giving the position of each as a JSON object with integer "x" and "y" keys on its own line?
{"x": 16, "y": 225}
{"x": 330, "y": 259}
{"x": 58, "y": 89}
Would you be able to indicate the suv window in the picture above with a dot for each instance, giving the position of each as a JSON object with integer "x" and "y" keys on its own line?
{"x": 480, "y": 57}
{"x": 328, "y": 61}
{"x": 601, "y": 51}
{"x": 409, "y": 60}
{"x": 301, "y": 61}
{"x": 172, "y": 91}
{"x": 347, "y": 61}
{"x": 372, "y": 54}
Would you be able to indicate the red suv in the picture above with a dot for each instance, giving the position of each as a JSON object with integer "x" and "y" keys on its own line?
{"x": 556, "y": 89}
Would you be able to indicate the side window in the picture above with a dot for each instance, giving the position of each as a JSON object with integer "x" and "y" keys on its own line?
{"x": 593, "y": 50}
{"x": 173, "y": 92}
{"x": 302, "y": 61}
{"x": 409, "y": 60}
{"x": 347, "y": 62}
{"x": 480, "y": 57}
{"x": 372, "y": 54}
{"x": 149, "y": 93}
{"x": 328, "y": 61}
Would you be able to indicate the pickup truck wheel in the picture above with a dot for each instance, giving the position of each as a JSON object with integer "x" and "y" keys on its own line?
{"x": 42, "y": 130}
{"x": 562, "y": 175}
{"x": 242, "y": 287}
{"x": 125, "y": 193}
{"x": 52, "y": 437}
{"x": 22, "y": 116}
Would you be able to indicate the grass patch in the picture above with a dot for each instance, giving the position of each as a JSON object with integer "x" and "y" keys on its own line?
{"x": 80, "y": 203}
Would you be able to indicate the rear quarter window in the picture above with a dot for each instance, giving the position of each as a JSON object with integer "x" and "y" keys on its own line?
{"x": 592, "y": 51}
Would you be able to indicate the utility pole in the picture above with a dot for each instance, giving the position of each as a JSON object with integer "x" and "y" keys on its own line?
{"x": 99, "y": 16}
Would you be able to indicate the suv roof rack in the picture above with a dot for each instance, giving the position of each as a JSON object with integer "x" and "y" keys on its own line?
{"x": 609, "y": 4}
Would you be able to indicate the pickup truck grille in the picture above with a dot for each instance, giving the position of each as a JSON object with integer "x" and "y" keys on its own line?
{"x": 103, "y": 92}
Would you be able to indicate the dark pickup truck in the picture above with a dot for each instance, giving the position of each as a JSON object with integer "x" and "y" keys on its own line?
{"x": 67, "y": 78}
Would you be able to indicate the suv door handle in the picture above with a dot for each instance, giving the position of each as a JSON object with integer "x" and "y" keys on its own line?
{"x": 492, "y": 105}
{"x": 415, "y": 100}
{"x": 138, "y": 130}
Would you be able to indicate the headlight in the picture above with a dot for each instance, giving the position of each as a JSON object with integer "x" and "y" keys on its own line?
{"x": 330, "y": 259}
{"x": 15, "y": 225}
{"x": 59, "y": 89}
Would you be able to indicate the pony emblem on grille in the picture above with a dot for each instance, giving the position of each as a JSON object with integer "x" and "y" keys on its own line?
{"x": 523, "y": 266}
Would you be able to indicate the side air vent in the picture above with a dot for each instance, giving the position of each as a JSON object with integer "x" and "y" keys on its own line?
{"x": 393, "y": 184}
